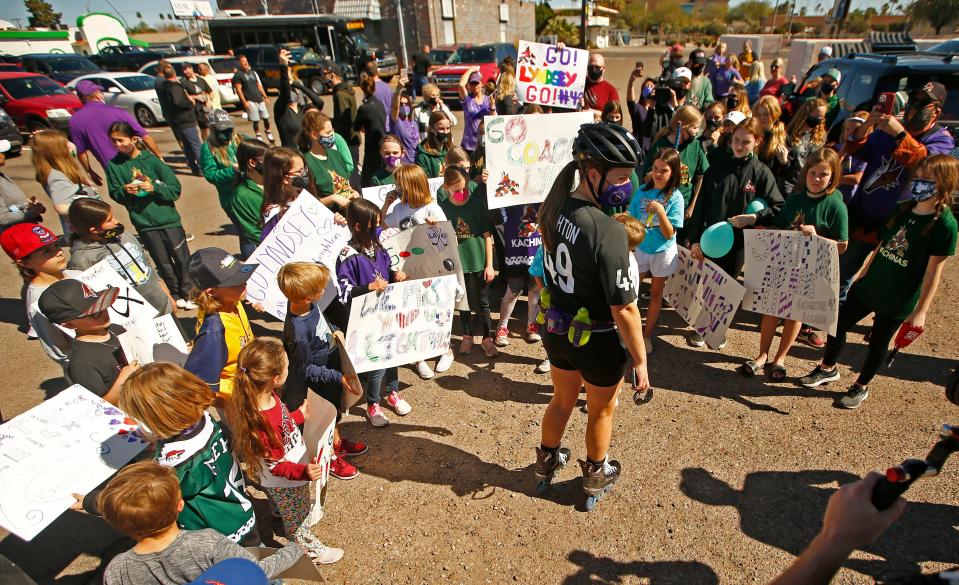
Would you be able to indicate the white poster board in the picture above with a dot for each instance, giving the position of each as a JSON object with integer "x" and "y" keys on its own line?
{"x": 305, "y": 233}
{"x": 407, "y": 322}
{"x": 425, "y": 251}
{"x": 525, "y": 153}
{"x": 318, "y": 436}
{"x": 130, "y": 306}
{"x": 68, "y": 444}
{"x": 158, "y": 340}
{"x": 793, "y": 276}
{"x": 704, "y": 296}
{"x": 378, "y": 194}
{"x": 551, "y": 76}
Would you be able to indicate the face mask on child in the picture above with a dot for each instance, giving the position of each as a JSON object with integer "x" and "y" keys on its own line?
{"x": 405, "y": 111}
{"x": 458, "y": 196}
{"x": 391, "y": 161}
{"x": 327, "y": 141}
{"x": 113, "y": 233}
{"x": 301, "y": 181}
{"x": 921, "y": 190}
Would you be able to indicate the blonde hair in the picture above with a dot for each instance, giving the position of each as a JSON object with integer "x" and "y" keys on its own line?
{"x": 798, "y": 126}
{"x": 777, "y": 135}
{"x": 635, "y": 230}
{"x": 141, "y": 499}
{"x": 413, "y": 185}
{"x": 743, "y": 105}
{"x": 757, "y": 72}
{"x": 456, "y": 156}
{"x": 823, "y": 155}
{"x": 429, "y": 88}
{"x": 302, "y": 280}
{"x": 51, "y": 151}
{"x": 688, "y": 116}
{"x": 506, "y": 84}
{"x": 165, "y": 399}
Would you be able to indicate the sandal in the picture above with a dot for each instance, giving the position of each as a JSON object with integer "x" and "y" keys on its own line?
{"x": 777, "y": 372}
{"x": 751, "y": 368}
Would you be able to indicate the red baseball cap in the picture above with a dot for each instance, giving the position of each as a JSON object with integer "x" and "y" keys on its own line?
{"x": 23, "y": 239}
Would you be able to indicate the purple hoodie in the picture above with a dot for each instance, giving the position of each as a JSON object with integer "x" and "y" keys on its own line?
{"x": 383, "y": 93}
{"x": 355, "y": 271}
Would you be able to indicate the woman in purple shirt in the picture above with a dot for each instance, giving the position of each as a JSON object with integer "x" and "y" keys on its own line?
{"x": 403, "y": 122}
{"x": 475, "y": 106}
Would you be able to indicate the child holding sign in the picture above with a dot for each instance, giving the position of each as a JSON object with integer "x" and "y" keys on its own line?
{"x": 267, "y": 439}
{"x": 900, "y": 277}
{"x": 816, "y": 209}
{"x": 659, "y": 205}
{"x": 363, "y": 267}
{"x": 474, "y": 234}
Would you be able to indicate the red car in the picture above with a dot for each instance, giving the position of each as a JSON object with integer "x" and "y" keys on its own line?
{"x": 486, "y": 57}
{"x": 36, "y": 102}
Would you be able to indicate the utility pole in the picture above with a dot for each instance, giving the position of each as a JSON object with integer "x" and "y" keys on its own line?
{"x": 399, "y": 22}
{"x": 775, "y": 10}
{"x": 583, "y": 26}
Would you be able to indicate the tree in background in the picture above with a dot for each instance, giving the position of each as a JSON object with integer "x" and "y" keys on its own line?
{"x": 938, "y": 13}
{"x": 564, "y": 30}
{"x": 42, "y": 14}
{"x": 544, "y": 14}
{"x": 750, "y": 12}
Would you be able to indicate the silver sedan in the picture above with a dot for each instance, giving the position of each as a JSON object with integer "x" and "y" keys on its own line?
{"x": 133, "y": 92}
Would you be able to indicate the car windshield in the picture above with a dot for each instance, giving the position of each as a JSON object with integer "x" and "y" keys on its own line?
{"x": 473, "y": 55}
{"x": 229, "y": 65}
{"x": 136, "y": 82}
{"x": 440, "y": 57}
{"x": 361, "y": 41}
{"x": 30, "y": 87}
{"x": 946, "y": 47}
{"x": 72, "y": 64}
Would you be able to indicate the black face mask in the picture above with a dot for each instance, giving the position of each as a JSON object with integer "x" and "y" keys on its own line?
{"x": 224, "y": 136}
{"x": 113, "y": 233}
{"x": 732, "y": 102}
{"x": 441, "y": 136}
{"x": 827, "y": 88}
{"x": 433, "y": 101}
{"x": 714, "y": 124}
{"x": 698, "y": 69}
{"x": 300, "y": 181}
{"x": 594, "y": 72}
{"x": 680, "y": 91}
{"x": 813, "y": 121}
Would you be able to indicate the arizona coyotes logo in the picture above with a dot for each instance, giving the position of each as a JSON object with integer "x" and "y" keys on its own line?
{"x": 463, "y": 231}
{"x": 528, "y": 225}
{"x": 898, "y": 244}
{"x": 683, "y": 174}
{"x": 886, "y": 176}
{"x": 799, "y": 220}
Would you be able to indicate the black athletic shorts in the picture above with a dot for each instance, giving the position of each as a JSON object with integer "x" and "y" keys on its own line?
{"x": 602, "y": 361}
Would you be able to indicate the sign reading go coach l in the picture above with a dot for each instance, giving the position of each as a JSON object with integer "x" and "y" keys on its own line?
{"x": 525, "y": 153}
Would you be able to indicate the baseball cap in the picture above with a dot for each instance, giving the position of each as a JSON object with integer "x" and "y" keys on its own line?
{"x": 932, "y": 90}
{"x": 220, "y": 120}
{"x": 213, "y": 267}
{"x": 683, "y": 73}
{"x": 698, "y": 57}
{"x": 827, "y": 51}
{"x": 70, "y": 299}
{"x": 677, "y": 48}
{"x": 475, "y": 77}
{"x": 22, "y": 239}
{"x": 335, "y": 69}
{"x": 86, "y": 88}
{"x": 835, "y": 74}
{"x": 5, "y": 146}
{"x": 736, "y": 117}
{"x": 232, "y": 572}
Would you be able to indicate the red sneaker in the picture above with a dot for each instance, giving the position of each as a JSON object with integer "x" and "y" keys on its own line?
{"x": 350, "y": 448}
{"x": 340, "y": 468}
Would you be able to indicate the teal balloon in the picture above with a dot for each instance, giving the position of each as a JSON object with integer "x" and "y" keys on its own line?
{"x": 756, "y": 205}
{"x": 717, "y": 240}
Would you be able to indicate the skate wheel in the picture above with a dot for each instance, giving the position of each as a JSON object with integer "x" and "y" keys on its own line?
{"x": 591, "y": 502}
{"x": 542, "y": 486}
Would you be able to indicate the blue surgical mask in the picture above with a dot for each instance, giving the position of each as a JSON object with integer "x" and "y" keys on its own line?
{"x": 647, "y": 92}
{"x": 327, "y": 141}
{"x": 921, "y": 190}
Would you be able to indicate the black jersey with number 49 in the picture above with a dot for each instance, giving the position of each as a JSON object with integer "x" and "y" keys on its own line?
{"x": 589, "y": 266}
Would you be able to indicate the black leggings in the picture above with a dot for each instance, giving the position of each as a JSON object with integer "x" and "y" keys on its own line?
{"x": 477, "y": 294}
{"x": 852, "y": 311}
{"x": 170, "y": 253}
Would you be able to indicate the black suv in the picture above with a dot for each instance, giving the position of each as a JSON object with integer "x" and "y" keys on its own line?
{"x": 59, "y": 67}
{"x": 866, "y": 75}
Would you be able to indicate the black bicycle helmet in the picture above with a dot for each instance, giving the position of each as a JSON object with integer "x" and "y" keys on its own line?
{"x": 609, "y": 145}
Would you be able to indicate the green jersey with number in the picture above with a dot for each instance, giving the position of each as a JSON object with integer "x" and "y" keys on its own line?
{"x": 210, "y": 479}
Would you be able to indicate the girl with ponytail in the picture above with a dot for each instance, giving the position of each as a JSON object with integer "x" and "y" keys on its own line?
{"x": 900, "y": 277}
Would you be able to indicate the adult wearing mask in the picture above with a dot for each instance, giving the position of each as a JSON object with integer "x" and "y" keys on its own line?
{"x": 826, "y": 91}
{"x": 344, "y": 109}
{"x": 891, "y": 149}
{"x": 776, "y": 81}
{"x": 476, "y": 105}
{"x": 678, "y": 94}
{"x": 598, "y": 90}
{"x": 640, "y": 108}
{"x": 432, "y": 103}
{"x": 90, "y": 129}
{"x": 724, "y": 78}
{"x": 182, "y": 119}
{"x": 371, "y": 123}
{"x": 293, "y": 101}
{"x": 404, "y": 123}
{"x": 701, "y": 88}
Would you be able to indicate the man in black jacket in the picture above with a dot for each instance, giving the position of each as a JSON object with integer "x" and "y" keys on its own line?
{"x": 182, "y": 119}
{"x": 344, "y": 109}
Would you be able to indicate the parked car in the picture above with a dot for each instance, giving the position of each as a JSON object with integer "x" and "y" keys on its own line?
{"x": 134, "y": 92}
{"x": 486, "y": 57}
{"x": 223, "y": 67}
{"x": 950, "y": 47}
{"x": 10, "y": 67}
{"x": 36, "y": 102}
{"x": 8, "y": 131}
{"x": 59, "y": 67}
{"x": 124, "y": 57}
{"x": 439, "y": 56}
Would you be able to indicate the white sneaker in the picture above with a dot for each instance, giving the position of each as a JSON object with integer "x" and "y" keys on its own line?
{"x": 376, "y": 416}
{"x": 324, "y": 555}
{"x": 186, "y": 305}
{"x": 542, "y": 367}
{"x": 424, "y": 371}
{"x": 269, "y": 136}
{"x": 397, "y": 403}
{"x": 445, "y": 361}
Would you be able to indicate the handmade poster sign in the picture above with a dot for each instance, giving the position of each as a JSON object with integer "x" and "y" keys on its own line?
{"x": 525, "y": 153}
{"x": 303, "y": 568}
{"x": 305, "y": 233}
{"x": 66, "y": 445}
{"x": 550, "y": 76}
{"x": 318, "y": 436}
{"x": 130, "y": 306}
{"x": 378, "y": 194}
{"x": 793, "y": 276}
{"x": 407, "y": 322}
{"x": 425, "y": 251}
{"x": 704, "y": 296}
{"x": 158, "y": 340}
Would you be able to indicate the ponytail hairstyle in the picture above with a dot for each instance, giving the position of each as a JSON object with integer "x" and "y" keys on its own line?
{"x": 777, "y": 134}
{"x": 87, "y": 213}
{"x": 798, "y": 126}
{"x": 412, "y": 185}
{"x": 558, "y": 194}
{"x": 454, "y": 173}
{"x": 823, "y": 155}
{"x": 313, "y": 122}
{"x": 944, "y": 170}
{"x": 456, "y": 156}
{"x": 670, "y": 156}
{"x": 261, "y": 365}
{"x": 432, "y": 145}
{"x": 366, "y": 214}
{"x": 249, "y": 149}
{"x": 688, "y": 115}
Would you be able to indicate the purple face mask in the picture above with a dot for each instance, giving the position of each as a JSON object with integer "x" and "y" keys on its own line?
{"x": 391, "y": 161}
{"x": 405, "y": 111}
{"x": 616, "y": 195}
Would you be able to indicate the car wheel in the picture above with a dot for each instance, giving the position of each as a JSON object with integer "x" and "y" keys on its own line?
{"x": 317, "y": 85}
{"x": 144, "y": 116}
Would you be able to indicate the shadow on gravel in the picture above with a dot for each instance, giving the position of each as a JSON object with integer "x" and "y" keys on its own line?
{"x": 227, "y": 229}
{"x": 485, "y": 383}
{"x": 784, "y": 509}
{"x": 594, "y": 569}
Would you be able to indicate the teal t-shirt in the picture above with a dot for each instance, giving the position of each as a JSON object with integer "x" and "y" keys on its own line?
{"x": 654, "y": 241}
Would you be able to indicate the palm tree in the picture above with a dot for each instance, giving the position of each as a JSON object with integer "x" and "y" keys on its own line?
{"x": 140, "y": 16}
{"x": 884, "y": 10}
{"x": 162, "y": 17}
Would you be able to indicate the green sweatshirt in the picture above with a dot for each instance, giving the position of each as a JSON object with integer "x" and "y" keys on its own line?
{"x": 218, "y": 174}
{"x": 247, "y": 201}
{"x": 382, "y": 177}
{"x": 431, "y": 163}
{"x": 148, "y": 210}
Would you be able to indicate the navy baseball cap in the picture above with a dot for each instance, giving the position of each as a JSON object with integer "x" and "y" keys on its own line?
{"x": 213, "y": 268}
{"x": 232, "y": 572}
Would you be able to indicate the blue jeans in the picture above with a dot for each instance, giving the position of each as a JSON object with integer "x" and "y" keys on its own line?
{"x": 419, "y": 80}
{"x": 850, "y": 262}
{"x": 373, "y": 381}
{"x": 247, "y": 248}
{"x": 189, "y": 137}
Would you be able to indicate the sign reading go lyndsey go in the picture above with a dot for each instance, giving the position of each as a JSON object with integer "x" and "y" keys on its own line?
{"x": 551, "y": 76}
{"x": 305, "y": 233}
